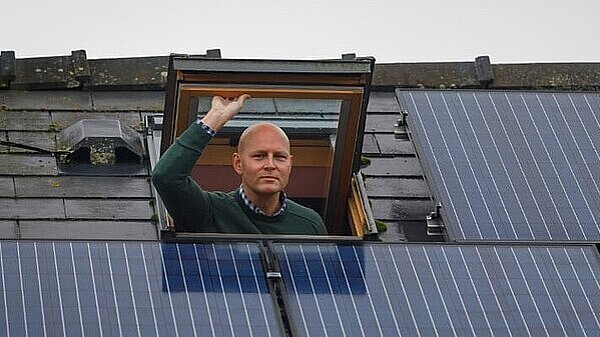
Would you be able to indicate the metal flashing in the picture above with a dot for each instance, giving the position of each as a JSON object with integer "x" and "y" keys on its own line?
{"x": 190, "y": 63}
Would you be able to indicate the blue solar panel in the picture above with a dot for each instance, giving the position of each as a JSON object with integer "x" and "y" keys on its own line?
{"x": 441, "y": 290}
{"x": 511, "y": 165}
{"x": 133, "y": 289}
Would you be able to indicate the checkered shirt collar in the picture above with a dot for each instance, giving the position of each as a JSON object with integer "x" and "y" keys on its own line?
{"x": 255, "y": 209}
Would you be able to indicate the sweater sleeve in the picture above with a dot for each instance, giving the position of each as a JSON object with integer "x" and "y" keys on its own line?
{"x": 186, "y": 202}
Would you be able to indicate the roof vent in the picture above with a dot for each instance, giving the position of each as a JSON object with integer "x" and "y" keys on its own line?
{"x": 100, "y": 143}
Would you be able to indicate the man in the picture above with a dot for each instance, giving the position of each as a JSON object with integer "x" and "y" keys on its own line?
{"x": 259, "y": 205}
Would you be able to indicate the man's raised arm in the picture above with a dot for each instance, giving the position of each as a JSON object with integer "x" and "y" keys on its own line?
{"x": 186, "y": 202}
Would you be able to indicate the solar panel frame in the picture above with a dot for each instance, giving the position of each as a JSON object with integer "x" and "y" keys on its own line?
{"x": 444, "y": 290}
{"x": 134, "y": 289}
{"x": 471, "y": 125}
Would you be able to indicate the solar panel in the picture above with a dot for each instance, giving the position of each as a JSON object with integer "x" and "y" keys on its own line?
{"x": 133, "y": 289}
{"x": 511, "y": 165}
{"x": 441, "y": 290}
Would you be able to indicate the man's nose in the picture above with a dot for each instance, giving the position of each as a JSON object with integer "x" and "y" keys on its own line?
{"x": 270, "y": 164}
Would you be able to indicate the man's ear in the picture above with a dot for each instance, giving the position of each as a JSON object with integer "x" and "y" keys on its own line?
{"x": 236, "y": 162}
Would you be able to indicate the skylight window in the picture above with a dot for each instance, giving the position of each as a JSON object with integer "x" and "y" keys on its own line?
{"x": 320, "y": 104}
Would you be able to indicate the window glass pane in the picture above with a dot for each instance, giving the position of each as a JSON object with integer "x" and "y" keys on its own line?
{"x": 311, "y": 125}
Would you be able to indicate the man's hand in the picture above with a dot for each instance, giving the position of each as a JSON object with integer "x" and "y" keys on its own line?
{"x": 223, "y": 110}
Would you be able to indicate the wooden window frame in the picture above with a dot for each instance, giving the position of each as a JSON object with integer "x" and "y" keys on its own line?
{"x": 191, "y": 77}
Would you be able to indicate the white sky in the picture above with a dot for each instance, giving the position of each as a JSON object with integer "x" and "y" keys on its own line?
{"x": 391, "y": 30}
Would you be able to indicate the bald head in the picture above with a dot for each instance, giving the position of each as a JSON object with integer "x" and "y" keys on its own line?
{"x": 264, "y": 162}
{"x": 262, "y": 129}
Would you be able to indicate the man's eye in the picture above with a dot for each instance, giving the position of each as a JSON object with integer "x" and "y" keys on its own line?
{"x": 258, "y": 156}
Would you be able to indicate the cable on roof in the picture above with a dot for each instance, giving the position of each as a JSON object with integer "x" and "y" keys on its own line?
{"x": 32, "y": 148}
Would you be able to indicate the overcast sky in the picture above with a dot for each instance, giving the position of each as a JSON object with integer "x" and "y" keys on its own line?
{"x": 391, "y": 30}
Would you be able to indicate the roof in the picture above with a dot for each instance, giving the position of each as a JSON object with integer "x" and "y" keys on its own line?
{"x": 44, "y": 95}
{"x": 38, "y": 202}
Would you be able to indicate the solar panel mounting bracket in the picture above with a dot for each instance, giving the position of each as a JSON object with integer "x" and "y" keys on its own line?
{"x": 400, "y": 127}
{"x": 435, "y": 225}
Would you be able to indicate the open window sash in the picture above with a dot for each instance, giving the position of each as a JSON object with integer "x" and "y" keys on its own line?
{"x": 192, "y": 79}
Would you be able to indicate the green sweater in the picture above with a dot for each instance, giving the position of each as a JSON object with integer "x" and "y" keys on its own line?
{"x": 196, "y": 210}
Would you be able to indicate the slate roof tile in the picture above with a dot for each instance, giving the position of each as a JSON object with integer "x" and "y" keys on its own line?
{"x": 397, "y": 209}
{"x": 370, "y": 146}
{"x": 128, "y": 100}
{"x": 383, "y": 102}
{"x": 414, "y": 231}
{"x": 82, "y": 187}
{"x": 43, "y": 140}
{"x": 108, "y": 209}
{"x": 395, "y": 232}
{"x": 389, "y": 144}
{"x": 87, "y": 230}
{"x": 381, "y": 123}
{"x": 32, "y": 209}
{"x": 394, "y": 167}
{"x": 7, "y": 187}
{"x": 397, "y": 187}
{"x": 22, "y": 164}
{"x": 3, "y": 148}
{"x": 8, "y": 229}
{"x": 46, "y": 100}
{"x": 25, "y": 120}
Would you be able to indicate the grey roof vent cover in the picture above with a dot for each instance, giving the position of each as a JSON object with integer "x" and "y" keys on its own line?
{"x": 100, "y": 143}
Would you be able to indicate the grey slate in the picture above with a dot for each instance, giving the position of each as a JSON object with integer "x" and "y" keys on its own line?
{"x": 85, "y": 187}
{"x": 394, "y": 167}
{"x": 413, "y": 231}
{"x": 8, "y": 229}
{"x": 401, "y": 209}
{"x": 395, "y": 232}
{"x": 7, "y": 187}
{"x": 88, "y": 230}
{"x": 381, "y": 123}
{"x": 397, "y": 188}
{"x": 108, "y": 209}
{"x": 128, "y": 100}
{"x": 44, "y": 140}
{"x": 25, "y": 120}
{"x": 389, "y": 144}
{"x": 22, "y": 165}
{"x": 3, "y": 148}
{"x": 370, "y": 144}
{"x": 47, "y": 100}
{"x": 31, "y": 209}
{"x": 65, "y": 119}
{"x": 380, "y": 101}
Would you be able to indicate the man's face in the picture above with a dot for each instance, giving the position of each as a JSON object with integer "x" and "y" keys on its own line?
{"x": 264, "y": 161}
